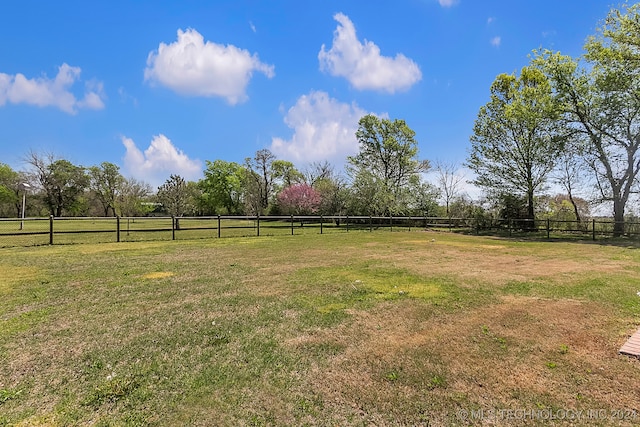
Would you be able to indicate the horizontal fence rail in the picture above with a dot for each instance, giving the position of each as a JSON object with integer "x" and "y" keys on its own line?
{"x": 67, "y": 230}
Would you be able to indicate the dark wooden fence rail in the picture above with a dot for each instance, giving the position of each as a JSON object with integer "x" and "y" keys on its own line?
{"x": 54, "y": 230}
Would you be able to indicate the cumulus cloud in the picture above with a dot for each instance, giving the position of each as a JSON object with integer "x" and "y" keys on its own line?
{"x": 496, "y": 41}
{"x": 159, "y": 161}
{"x": 324, "y": 129}
{"x": 363, "y": 65}
{"x": 56, "y": 92}
{"x": 190, "y": 66}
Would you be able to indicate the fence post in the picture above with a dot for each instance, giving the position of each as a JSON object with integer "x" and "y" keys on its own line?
{"x": 258, "y": 225}
{"x": 218, "y": 226}
{"x": 409, "y": 222}
{"x": 321, "y": 224}
{"x": 347, "y": 221}
{"x": 548, "y": 229}
{"x": 593, "y": 229}
{"x": 292, "y": 225}
{"x": 390, "y": 222}
{"x": 118, "y": 228}
{"x": 51, "y": 229}
{"x": 509, "y": 226}
{"x": 370, "y": 224}
{"x": 173, "y": 228}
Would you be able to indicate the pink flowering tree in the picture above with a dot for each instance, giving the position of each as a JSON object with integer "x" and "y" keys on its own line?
{"x": 299, "y": 199}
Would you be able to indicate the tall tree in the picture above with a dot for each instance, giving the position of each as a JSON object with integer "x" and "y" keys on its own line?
{"x": 386, "y": 164}
{"x": 449, "y": 182}
{"x": 516, "y": 138}
{"x": 601, "y": 101}
{"x": 259, "y": 180}
{"x": 105, "y": 181}
{"x": 223, "y": 186}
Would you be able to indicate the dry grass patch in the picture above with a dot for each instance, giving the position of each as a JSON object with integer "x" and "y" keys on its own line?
{"x": 519, "y": 353}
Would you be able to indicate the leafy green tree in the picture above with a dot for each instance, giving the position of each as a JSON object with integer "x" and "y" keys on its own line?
{"x": 516, "y": 138}
{"x": 63, "y": 184}
{"x": 9, "y": 189}
{"x": 223, "y": 187}
{"x": 286, "y": 174}
{"x": 65, "y": 188}
{"x": 601, "y": 103}
{"x": 385, "y": 167}
{"x": 105, "y": 181}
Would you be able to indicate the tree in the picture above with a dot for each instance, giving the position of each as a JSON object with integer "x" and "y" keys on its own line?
{"x": 62, "y": 183}
{"x": 330, "y": 186}
{"x": 299, "y": 199}
{"x": 601, "y": 102}
{"x": 449, "y": 182}
{"x": 285, "y": 173}
{"x": 174, "y": 197}
{"x": 223, "y": 186}
{"x": 259, "y": 180}
{"x": 318, "y": 171}
{"x": 9, "y": 191}
{"x": 264, "y": 176}
{"x": 386, "y": 164}
{"x": 132, "y": 199}
{"x": 105, "y": 181}
{"x": 569, "y": 174}
{"x": 516, "y": 139}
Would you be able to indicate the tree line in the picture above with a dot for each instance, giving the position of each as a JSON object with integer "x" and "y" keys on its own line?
{"x": 384, "y": 178}
{"x": 570, "y": 122}
{"x": 575, "y": 121}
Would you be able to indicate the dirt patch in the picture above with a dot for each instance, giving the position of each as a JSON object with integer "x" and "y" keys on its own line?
{"x": 500, "y": 263}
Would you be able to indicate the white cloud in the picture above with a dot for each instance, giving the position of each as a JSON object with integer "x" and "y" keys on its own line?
{"x": 190, "y": 66}
{"x": 324, "y": 129}
{"x": 159, "y": 161}
{"x": 253, "y": 27}
{"x": 447, "y": 3}
{"x": 363, "y": 65}
{"x": 490, "y": 20}
{"x": 496, "y": 41}
{"x": 46, "y": 92}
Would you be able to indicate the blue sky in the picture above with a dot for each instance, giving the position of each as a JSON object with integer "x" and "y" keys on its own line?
{"x": 159, "y": 87}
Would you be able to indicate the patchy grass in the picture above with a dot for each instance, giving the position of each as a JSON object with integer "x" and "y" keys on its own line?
{"x": 342, "y": 329}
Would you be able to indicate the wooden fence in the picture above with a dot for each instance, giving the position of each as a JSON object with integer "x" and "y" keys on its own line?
{"x": 66, "y": 230}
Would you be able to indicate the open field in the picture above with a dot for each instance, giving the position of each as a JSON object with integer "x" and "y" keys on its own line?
{"x": 344, "y": 329}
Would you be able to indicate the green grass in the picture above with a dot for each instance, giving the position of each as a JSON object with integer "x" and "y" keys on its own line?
{"x": 339, "y": 329}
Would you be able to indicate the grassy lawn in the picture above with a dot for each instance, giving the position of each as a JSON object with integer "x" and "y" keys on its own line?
{"x": 341, "y": 329}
